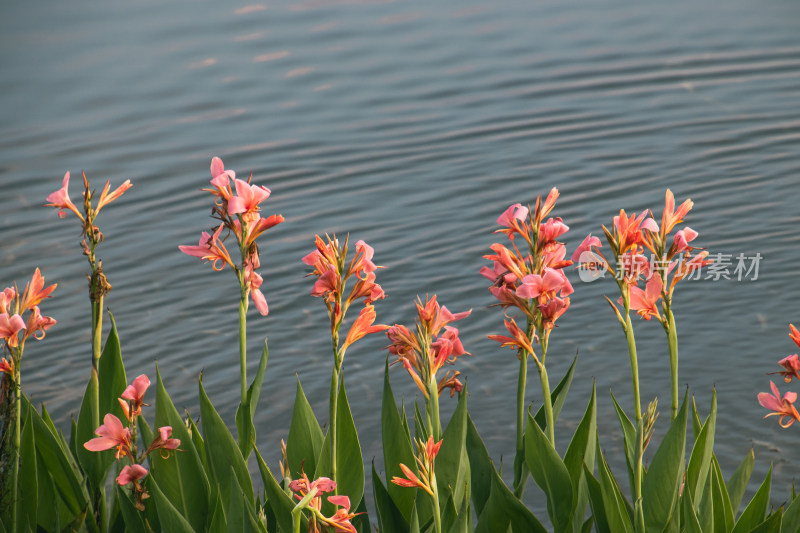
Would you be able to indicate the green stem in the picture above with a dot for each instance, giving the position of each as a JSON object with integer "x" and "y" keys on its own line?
{"x": 334, "y": 400}
{"x": 519, "y": 460}
{"x": 97, "y": 332}
{"x": 243, "y": 344}
{"x": 634, "y": 363}
{"x": 437, "y": 518}
{"x": 672, "y": 336}
{"x": 434, "y": 424}
{"x": 17, "y": 442}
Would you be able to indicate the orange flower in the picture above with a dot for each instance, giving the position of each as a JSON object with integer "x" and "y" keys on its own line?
{"x": 363, "y": 326}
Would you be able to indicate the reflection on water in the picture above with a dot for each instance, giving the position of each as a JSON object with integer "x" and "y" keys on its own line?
{"x": 411, "y": 126}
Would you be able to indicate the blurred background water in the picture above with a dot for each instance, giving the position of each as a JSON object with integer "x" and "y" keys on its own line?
{"x": 411, "y": 125}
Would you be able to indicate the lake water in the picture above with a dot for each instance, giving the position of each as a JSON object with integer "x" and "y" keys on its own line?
{"x": 411, "y": 125}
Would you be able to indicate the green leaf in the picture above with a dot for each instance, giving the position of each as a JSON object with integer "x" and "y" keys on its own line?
{"x": 756, "y": 510}
{"x": 361, "y": 521}
{"x": 47, "y": 506}
{"x": 596, "y": 501}
{"x": 697, "y": 425}
{"x": 390, "y": 518}
{"x": 28, "y": 495}
{"x": 420, "y": 429}
{"x": 280, "y": 502}
{"x": 700, "y": 460}
{"x": 94, "y": 464}
{"x": 197, "y": 440}
{"x": 305, "y": 436}
{"x": 222, "y": 451}
{"x": 722, "y": 512}
{"x": 241, "y": 515}
{"x": 629, "y": 438}
{"x": 791, "y": 517}
{"x": 619, "y": 513}
{"x": 132, "y": 517}
{"x": 550, "y": 473}
{"x": 452, "y": 464}
{"x": 581, "y": 450}
{"x": 244, "y": 413}
{"x": 350, "y": 468}
{"x": 737, "y": 484}
{"x": 60, "y": 463}
{"x": 660, "y": 485}
{"x": 481, "y": 467}
{"x": 503, "y": 509}
{"x": 111, "y": 370}
{"x": 462, "y": 522}
{"x": 181, "y": 476}
{"x": 690, "y": 521}
{"x": 771, "y": 525}
{"x": 217, "y": 522}
{"x": 557, "y": 396}
{"x": 168, "y": 516}
{"x": 397, "y": 449}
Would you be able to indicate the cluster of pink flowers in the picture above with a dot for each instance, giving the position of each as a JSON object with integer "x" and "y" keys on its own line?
{"x": 330, "y": 265}
{"x": 114, "y": 434}
{"x": 340, "y": 520}
{"x": 783, "y": 406}
{"x": 629, "y": 237}
{"x": 424, "y": 353}
{"x": 14, "y": 328}
{"x": 531, "y": 280}
{"x": 239, "y": 214}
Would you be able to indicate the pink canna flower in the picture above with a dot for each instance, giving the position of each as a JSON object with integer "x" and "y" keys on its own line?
{"x": 130, "y": 474}
{"x": 517, "y": 340}
{"x": 37, "y": 324}
{"x": 551, "y": 230}
{"x": 247, "y": 200}
{"x": 35, "y": 291}
{"x": 340, "y": 521}
{"x": 671, "y": 217}
{"x": 211, "y": 249}
{"x": 791, "y": 367}
{"x": 781, "y": 406}
{"x": 542, "y": 287}
{"x": 220, "y": 179}
{"x": 588, "y": 243}
{"x": 134, "y": 394}
{"x": 513, "y": 219}
{"x": 794, "y": 334}
{"x": 551, "y": 311}
{"x": 163, "y": 441}
{"x": 7, "y": 366}
{"x": 644, "y": 301}
{"x": 7, "y": 296}
{"x": 253, "y": 281}
{"x": 110, "y": 435}
{"x": 106, "y": 198}
{"x": 10, "y": 326}
{"x": 303, "y": 486}
{"x": 256, "y": 228}
{"x": 363, "y": 326}
{"x": 683, "y": 238}
{"x": 60, "y": 199}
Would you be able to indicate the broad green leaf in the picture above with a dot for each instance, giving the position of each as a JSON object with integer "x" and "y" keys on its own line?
{"x": 350, "y": 467}
{"x": 660, "y": 485}
{"x": 557, "y": 396}
{"x": 111, "y": 370}
{"x": 47, "y": 506}
{"x": 452, "y": 464}
{"x": 168, "y": 516}
{"x": 503, "y": 509}
{"x": 181, "y": 476}
{"x": 462, "y": 521}
{"x": 132, "y": 517}
{"x": 481, "y": 467}
{"x": 397, "y": 449}
{"x": 94, "y": 464}
{"x": 280, "y": 502}
{"x": 619, "y": 513}
{"x": 240, "y": 515}
{"x": 222, "y": 451}
{"x": 771, "y": 525}
{"x": 305, "y": 437}
{"x": 690, "y": 521}
{"x": 700, "y": 460}
{"x": 28, "y": 495}
{"x": 697, "y": 425}
{"x": 791, "y": 517}
{"x": 550, "y": 473}
{"x": 449, "y": 515}
{"x": 421, "y": 430}
{"x": 218, "y": 521}
{"x": 705, "y": 512}
{"x": 629, "y": 438}
{"x": 197, "y": 440}
{"x": 596, "y": 501}
{"x": 756, "y": 510}
{"x": 414, "y": 526}
{"x": 723, "y": 515}
{"x": 246, "y": 411}
{"x": 581, "y": 451}
{"x": 361, "y": 521}
{"x": 737, "y": 484}
{"x": 254, "y": 391}
{"x": 60, "y": 463}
